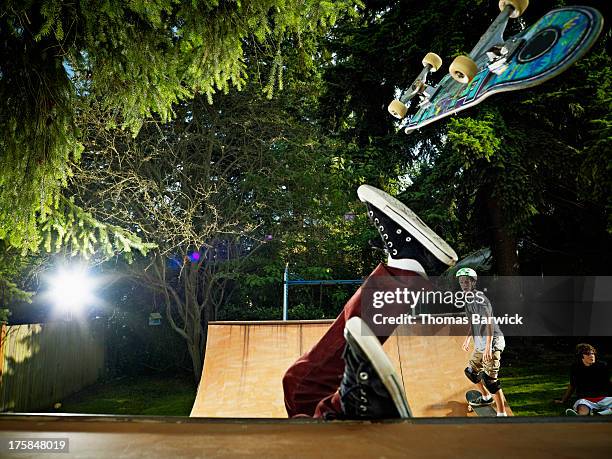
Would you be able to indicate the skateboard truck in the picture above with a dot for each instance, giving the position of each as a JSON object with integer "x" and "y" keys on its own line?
{"x": 498, "y": 56}
{"x": 492, "y": 44}
{"x": 431, "y": 63}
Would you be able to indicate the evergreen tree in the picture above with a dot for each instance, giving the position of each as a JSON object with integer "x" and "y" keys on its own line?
{"x": 135, "y": 59}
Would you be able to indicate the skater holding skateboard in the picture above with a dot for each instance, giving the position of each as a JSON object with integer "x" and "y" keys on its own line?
{"x": 590, "y": 379}
{"x": 347, "y": 375}
{"x": 484, "y": 364}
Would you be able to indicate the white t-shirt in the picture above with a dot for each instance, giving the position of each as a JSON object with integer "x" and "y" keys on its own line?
{"x": 482, "y": 306}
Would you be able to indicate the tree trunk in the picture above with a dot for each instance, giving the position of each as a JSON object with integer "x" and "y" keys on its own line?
{"x": 196, "y": 360}
{"x": 502, "y": 240}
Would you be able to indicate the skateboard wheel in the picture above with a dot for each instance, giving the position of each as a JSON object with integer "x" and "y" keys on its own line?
{"x": 463, "y": 69}
{"x": 519, "y": 6}
{"x": 397, "y": 109}
{"x": 434, "y": 60}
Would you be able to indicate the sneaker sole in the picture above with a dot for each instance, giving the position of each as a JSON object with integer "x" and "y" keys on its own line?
{"x": 409, "y": 221}
{"x": 357, "y": 331}
{"x": 478, "y": 405}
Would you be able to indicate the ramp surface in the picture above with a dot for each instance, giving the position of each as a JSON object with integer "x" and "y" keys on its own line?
{"x": 245, "y": 363}
{"x": 177, "y": 438}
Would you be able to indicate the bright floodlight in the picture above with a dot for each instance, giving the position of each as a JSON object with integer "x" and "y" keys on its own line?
{"x": 71, "y": 289}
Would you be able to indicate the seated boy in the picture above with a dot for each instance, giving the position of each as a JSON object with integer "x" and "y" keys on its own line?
{"x": 590, "y": 379}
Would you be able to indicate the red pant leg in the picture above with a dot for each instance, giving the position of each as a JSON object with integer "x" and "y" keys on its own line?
{"x": 311, "y": 383}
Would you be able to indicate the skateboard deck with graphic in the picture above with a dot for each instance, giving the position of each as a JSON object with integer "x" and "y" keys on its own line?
{"x": 531, "y": 57}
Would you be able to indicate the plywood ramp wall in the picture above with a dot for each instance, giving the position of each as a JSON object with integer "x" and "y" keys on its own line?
{"x": 245, "y": 363}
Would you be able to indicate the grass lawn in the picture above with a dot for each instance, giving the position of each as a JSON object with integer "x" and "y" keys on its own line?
{"x": 531, "y": 388}
{"x": 142, "y": 395}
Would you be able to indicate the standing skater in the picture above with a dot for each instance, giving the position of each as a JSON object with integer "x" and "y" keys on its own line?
{"x": 590, "y": 379}
{"x": 347, "y": 374}
{"x": 484, "y": 364}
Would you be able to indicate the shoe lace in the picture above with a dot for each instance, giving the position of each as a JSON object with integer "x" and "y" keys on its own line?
{"x": 379, "y": 224}
{"x": 354, "y": 391}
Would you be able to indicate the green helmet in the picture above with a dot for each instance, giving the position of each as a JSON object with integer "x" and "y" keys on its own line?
{"x": 466, "y": 272}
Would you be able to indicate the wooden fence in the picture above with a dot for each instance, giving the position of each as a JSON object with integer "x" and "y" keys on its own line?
{"x": 42, "y": 363}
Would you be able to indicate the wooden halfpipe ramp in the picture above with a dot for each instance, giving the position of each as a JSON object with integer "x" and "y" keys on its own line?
{"x": 245, "y": 363}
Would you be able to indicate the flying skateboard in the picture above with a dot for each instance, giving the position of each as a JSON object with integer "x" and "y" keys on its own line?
{"x": 496, "y": 64}
{"x": 480, "y": 410}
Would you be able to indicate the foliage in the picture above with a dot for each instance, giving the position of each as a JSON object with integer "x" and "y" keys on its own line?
{"x": 74, "y": 231}
{"x": 13, "y": 285}
{"x": 135, "y": 60}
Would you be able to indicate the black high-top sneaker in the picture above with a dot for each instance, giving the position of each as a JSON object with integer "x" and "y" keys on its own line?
{"x": 404, "y": 234}
{"x": 370, "y": 387}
